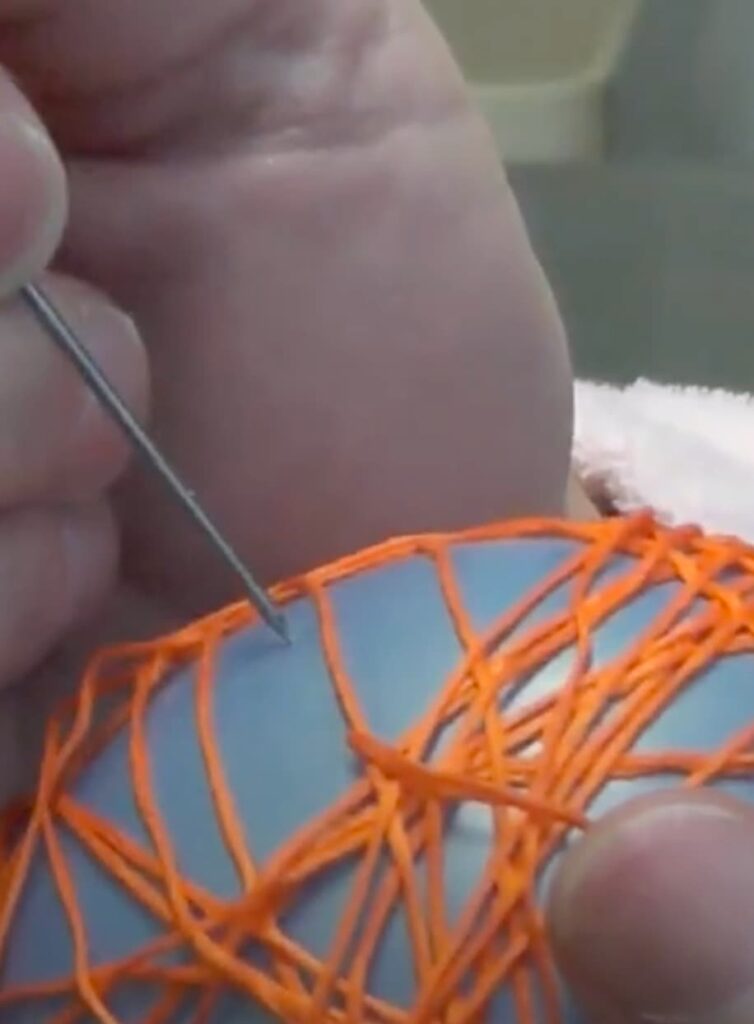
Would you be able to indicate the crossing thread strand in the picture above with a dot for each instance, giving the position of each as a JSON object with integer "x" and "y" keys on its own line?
{"x": 536, "y": 765}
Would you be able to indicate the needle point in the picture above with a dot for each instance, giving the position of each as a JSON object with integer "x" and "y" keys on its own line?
{"x": 280, "y": 626}
{"x": 68, "y": 341}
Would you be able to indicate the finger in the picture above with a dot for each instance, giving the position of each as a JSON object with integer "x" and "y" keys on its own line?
{"x": 652, "y": 915}
{"x": 55, "y": 567}
{"x": 33, "y": 195}
{"x": 56, "y": 442}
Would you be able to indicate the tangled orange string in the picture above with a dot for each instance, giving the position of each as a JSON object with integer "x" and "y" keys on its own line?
{"x": 401, "y": 802}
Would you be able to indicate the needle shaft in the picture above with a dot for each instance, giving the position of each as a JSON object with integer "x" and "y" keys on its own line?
{"x": 66, "y": 339}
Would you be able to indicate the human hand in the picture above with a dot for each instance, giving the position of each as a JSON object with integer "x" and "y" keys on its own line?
{"x": 58, "y": 454}
{"x": 347, "y": 332}
{"x": 348, "y": 338}
{"x": 652, "y": 914}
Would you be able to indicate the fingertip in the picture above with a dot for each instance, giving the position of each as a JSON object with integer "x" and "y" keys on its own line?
{"x": 57, "y": 442}
{"x": 56, "y": 566}
{"x": 652, "y": 913}
{"x": 89, "y": 556}
{"x": 34, "y": 196}
{"x": 99, "y": 451}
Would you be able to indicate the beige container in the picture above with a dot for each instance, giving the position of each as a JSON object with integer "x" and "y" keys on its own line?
{"x": 539, "y": 69}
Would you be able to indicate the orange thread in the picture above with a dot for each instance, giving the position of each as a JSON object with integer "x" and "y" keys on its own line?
{"x": 536, "y": 765}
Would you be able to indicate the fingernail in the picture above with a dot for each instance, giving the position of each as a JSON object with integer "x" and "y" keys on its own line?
{"x": 33, "y": 202}
{"x": 90, "y": 558}
{"x": 652, "y": 914}
{"x": 118, "y": 348}
{"x": 100, "y": 447}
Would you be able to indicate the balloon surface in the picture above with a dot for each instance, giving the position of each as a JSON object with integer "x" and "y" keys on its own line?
{"x": 362, "y": 826}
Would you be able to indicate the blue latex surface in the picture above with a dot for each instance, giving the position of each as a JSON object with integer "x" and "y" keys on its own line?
{"x": 285, "y": 756}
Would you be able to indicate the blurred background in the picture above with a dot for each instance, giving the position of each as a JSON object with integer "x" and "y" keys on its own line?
{"x": 627, "y": 127}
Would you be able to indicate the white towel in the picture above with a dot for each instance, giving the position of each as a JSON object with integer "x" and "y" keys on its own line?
{"x": 685, "y": 452}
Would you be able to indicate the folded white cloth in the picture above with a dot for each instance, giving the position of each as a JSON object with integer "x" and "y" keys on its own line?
{"x": 685, "y": 452}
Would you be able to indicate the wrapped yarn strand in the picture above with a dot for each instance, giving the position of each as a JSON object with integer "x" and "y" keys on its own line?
{"x": 361, "y": 828}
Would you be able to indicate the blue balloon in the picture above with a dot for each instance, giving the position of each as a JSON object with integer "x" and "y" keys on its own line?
{"x": 286, "y": 757}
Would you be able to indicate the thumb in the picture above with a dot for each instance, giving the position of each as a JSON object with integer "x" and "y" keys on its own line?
{"x": 652, "y": 913}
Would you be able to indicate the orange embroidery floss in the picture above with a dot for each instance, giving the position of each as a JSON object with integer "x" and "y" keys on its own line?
{"x": 361, "y": 827}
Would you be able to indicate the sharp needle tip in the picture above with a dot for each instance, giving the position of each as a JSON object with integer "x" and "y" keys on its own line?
{"x": 279, "y": 625}
{"x": 63, "y": 335}
{"x": 283, "y": 631}
{"x": 269, "y": 612}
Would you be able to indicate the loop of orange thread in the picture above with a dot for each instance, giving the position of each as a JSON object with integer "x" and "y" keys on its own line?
{"x": 535, "y": 765}
{"x": 446, "y": 786}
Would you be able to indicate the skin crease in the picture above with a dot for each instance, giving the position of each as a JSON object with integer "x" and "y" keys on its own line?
{"x": 345, "y": 242}
{"x": 348, "y": 334}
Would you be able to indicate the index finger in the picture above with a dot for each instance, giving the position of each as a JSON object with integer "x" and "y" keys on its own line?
{"x": 33, "y": 193}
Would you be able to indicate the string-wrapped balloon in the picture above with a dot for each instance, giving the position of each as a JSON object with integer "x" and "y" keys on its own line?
{"x": 361, "y": 827}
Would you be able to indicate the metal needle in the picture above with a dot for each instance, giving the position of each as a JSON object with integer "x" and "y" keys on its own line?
{"x": 66, "y": 339}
